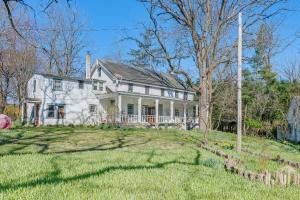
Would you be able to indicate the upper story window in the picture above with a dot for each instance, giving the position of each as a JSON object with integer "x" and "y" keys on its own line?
{"x": 34, "y": 85}
{"x": 176, "y": 94}
{"x": 147, "y": 89}
{"x": 170, "y": 93}
{"x": 130, "y": 87}
{"x": 57, "y": 85}
{"x": 99, "y": 72}
{"x": 185, "y": 96}
{"x": 81, "y": 84}
{"x": 162, "y": 92}
{"x": 100, "y": 86}
{"x": 97, "y": 85}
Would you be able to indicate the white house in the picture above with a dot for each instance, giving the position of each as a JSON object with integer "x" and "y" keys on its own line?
{"x": 293, "y": 119}
{"x": 110, "y": 92}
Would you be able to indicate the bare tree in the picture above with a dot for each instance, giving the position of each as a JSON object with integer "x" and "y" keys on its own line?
{"x": 64, "y": 41}
{"x": 210, "y": 25}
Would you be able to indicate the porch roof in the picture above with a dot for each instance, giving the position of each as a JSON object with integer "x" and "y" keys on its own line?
{"x": 115, "y": 94}
{"x": 32, "y": 100}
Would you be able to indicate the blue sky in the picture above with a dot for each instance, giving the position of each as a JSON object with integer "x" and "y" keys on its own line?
{"x": 108, "y": 21}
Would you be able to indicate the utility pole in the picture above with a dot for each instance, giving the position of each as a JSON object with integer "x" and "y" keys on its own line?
{"x": 239, "y": 87}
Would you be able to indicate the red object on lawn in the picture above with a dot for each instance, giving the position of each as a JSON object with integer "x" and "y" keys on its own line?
{"x": 5, "y": 122}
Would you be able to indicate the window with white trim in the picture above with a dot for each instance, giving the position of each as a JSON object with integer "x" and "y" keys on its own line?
{"x": 57, "y": 85}
{"x": 176, "y": 94}
{"x": 130, "y": 87}
{"x": 92, "y": 108}
{"x": 80, "y": 84}
{"x": 51, "y": 111}
{"x": 162, "y": 92}
{"x": 99, "y": 72}
{"x": 61, "y": 112}
{"x": 147, "y": 90}
{"x": 130, "y": 109}
{"x": 34, "y": 85}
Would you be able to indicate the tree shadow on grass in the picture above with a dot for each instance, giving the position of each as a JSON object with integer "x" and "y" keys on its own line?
{"x": 17, "y": 145}
{"x": 53, "y": 177}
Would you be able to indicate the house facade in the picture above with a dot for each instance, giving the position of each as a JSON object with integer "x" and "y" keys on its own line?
{"x": 111, "y": 92}
{"x": 293, "y": 119}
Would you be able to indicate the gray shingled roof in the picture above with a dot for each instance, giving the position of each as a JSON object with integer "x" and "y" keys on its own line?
{"x": 142, "y": 75}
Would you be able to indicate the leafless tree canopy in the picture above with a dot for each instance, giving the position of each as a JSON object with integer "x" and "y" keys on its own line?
{"x": 211, "y": 25}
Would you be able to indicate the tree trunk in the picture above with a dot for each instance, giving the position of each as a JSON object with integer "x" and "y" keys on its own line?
{"x": 204, "y": 107}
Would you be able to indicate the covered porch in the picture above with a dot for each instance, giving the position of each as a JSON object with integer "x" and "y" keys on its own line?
{"x": 148, "y": 110}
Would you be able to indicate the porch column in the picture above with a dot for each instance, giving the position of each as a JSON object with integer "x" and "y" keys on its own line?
{"x": 197, "y": 110}
{"x": 184, "y": 116}
{"x": 119, "y": 107}
{"x": 156, "y": 111}
{"x": 140, "y": 110}
{"x": 172, "y": 111}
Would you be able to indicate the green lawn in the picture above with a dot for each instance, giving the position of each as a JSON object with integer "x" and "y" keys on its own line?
{"x": 90, "y": 163}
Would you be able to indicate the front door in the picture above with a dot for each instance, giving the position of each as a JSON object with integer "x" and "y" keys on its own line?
{"x": 36, "y": 114}
{"x": 151, "y": 115}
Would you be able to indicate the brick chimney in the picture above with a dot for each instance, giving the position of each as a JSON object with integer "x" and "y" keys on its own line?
{"x": 88, "y": 65}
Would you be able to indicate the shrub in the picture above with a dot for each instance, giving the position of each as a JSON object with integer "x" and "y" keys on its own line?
{"x": 212, "y": 163}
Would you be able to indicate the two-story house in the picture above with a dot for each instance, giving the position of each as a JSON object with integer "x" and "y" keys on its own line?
{"x": 110, "y": 92}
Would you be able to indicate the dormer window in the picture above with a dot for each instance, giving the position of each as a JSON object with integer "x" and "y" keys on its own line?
{"x": 57, "y": 85}
{"x": 99, "y": 72}
{"x": 130, "y": 87}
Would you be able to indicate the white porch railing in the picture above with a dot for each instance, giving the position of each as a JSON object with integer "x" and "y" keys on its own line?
{"x": 129, "y": 119}
{"x": 147, "y": 119}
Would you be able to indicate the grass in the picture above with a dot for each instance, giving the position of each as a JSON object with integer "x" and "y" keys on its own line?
{"x": 90, "y": 163}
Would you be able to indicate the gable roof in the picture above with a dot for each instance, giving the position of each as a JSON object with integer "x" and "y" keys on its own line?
{"x": 65, "y": 77}
{"x": 142, "y": 75}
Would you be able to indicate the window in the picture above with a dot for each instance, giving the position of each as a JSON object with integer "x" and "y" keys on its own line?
{"x": 176, "y": 113}
{"x": 100, "y": 86}
{"x": 170, "y": 93}
{"x": 92, "y": 108}
{"x": 95, "y": 85}
{"x": 57, "y": 86}
{"x": 34, "y": 85}
{"x": 60, "y": 112}
{"x": 130, "y": 87}
{"x": 99, "y": 72}
{"x": 162, "y": 92}
{"x": 160, "y": 109}
{"x": 194, "y": 111}
{"x": 176, "y": 94}
{"x": 112, "y": 102}
{"x": 185, "y": 95}
{"x": 80, "y": 84}
{"x": 50, "y": 110}
{"x": 130, "y": 110}
{"x": 147, "y": 88}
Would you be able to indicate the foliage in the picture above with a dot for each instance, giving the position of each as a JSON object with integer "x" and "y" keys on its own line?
{"x": 12, "y": 111}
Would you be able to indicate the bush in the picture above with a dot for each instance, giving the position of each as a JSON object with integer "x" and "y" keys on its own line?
{"x": 212, "y": 163}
